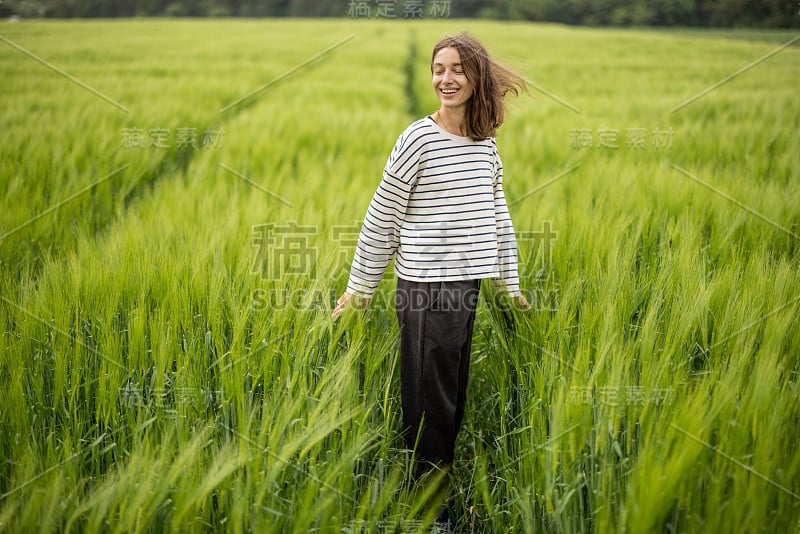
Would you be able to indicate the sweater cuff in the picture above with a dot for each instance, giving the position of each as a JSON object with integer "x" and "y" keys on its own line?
{"x": 359, "y": 291}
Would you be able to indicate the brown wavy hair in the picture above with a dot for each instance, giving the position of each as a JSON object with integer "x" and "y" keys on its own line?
{"x": 486, "y": 110}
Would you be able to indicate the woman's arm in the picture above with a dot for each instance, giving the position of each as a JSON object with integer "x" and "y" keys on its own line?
{"x": 379, "y": 238}
{"x": 506, "y": 240}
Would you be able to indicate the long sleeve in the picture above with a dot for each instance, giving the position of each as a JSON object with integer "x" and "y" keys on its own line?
{"x": 506, "y": 241}
{"x": 380, "y": 233}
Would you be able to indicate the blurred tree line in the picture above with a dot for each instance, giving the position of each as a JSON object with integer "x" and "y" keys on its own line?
{"x": 720, "y": 13}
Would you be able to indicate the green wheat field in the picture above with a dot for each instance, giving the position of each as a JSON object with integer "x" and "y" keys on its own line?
{"x": 180, "y": 205}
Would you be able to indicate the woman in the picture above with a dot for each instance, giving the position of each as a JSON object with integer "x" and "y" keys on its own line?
{"x": 440, "y": 209}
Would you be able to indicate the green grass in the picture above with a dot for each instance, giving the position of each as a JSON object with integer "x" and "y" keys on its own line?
{"x": 157, "y": 377}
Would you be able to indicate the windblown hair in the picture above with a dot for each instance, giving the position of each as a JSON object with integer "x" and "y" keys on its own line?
{"x": 485, "y": 111}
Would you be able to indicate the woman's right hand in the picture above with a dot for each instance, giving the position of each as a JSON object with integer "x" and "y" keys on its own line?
{"x": 346, "y": 300}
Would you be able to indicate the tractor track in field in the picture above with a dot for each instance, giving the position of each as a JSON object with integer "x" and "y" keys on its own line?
{"x": 181, "y": 159}
{"x": 413, "y": 104}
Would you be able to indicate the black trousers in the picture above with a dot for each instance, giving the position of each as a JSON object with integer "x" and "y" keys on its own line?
{"x": 436, "y": 321}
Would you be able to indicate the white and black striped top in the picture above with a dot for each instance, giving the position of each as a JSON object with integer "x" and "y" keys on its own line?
{"x": 441, "y": 210}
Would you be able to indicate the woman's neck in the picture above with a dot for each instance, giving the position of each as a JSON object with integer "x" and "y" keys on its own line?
{"x": 452, "y": 119}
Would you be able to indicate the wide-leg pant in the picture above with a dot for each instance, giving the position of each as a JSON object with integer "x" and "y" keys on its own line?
{"x": 436, "y": 322}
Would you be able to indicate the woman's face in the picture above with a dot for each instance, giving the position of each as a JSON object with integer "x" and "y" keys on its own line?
{"x": 449, "y": 81}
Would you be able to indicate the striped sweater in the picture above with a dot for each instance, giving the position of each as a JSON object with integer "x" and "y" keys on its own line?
{"x": 441, "y": 211}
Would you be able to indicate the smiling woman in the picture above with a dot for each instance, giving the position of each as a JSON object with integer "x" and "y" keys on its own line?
{"x": 440, "y": 208}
